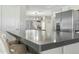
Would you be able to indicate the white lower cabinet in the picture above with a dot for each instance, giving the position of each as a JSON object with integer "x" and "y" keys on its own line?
{"x": 68, "y": 49}
{"x": 53, "y": 51}
{"x": 71, "y": 49}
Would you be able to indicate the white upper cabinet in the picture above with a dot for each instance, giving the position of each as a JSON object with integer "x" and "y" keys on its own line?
{"x": 0, "y": 19}
{"x": 11, "y": 18}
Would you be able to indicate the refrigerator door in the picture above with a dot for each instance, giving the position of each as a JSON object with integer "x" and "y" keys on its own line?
{"x": 65, "y": 20}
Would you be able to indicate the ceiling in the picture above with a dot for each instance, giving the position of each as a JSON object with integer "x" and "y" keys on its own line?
{"x": 44, "y": 9}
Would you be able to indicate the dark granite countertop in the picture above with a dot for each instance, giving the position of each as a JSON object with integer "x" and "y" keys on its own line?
{"x": 50, "y": 45}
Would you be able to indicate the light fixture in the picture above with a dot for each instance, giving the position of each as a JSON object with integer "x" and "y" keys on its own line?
{"x": 35, "y": 13}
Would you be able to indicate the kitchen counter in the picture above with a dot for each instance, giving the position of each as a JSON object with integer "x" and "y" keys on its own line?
{"x": 40, "y": 46}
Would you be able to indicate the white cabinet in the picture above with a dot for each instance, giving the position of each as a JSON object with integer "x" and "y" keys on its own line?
{"x": 11, "y": 18}
{"x": 53, "y": 51}
{"x": 23, "y": 23}
{"x": 71, "y": 49}
{"x": 0, "y": 18}
{"x": 68, "y": 49}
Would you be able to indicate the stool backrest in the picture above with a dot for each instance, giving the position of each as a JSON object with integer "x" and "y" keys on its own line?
{"x": 3, "y": 44}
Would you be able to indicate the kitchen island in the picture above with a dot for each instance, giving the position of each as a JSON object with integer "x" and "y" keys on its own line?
{"x": 47, "y": 46}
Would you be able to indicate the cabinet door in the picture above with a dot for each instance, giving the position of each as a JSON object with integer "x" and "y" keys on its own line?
{"x": 11, "y": 18}
{"x": 71, "y": 49}
{"x": 0, "y": 18}
{"x": 53, "y": 51}
{"x": 23, "y": 23}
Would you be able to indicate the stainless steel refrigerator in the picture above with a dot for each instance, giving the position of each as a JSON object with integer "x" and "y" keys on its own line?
{"x": 67, "y": 25}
